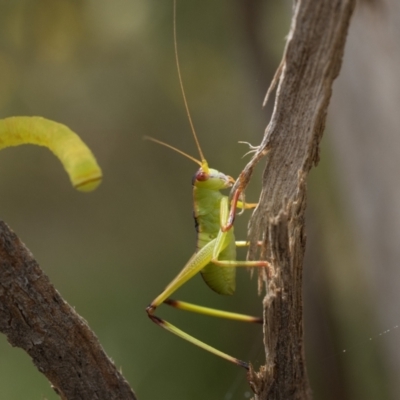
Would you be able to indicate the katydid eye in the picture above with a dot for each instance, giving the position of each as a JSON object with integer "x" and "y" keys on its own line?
{"x": 201, "y": 176}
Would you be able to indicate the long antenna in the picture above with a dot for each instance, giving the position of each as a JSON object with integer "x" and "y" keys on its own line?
{"x": 173, "y": 148}
{"x": 203, "y": 160}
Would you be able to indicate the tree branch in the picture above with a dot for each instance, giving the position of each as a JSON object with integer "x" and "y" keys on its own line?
{"x": 311, "y": 62}
{"x": 35, "y": 318}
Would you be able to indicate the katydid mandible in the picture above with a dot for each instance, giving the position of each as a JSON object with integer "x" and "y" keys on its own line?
{"x": 215, "y": 256}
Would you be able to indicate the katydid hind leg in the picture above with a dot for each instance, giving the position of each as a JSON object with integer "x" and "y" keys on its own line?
{"x": 212, "y": 312}
{"x": 194, "y": 265}
{"x": 183, "y": 335}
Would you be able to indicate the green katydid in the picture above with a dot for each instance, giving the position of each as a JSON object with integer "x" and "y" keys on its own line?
{"x": 215, "y": 256}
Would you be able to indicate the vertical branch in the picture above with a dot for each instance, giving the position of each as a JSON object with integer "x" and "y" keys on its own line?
{"x": 311, "y": 62}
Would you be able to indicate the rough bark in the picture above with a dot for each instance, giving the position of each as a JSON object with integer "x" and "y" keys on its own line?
{"x": 311, "y": 62}
{"x": 35, "y": 318}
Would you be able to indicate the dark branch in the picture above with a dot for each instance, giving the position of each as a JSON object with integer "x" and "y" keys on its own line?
{"x": 35, "y": 318}
{"x": 311, "y": 62}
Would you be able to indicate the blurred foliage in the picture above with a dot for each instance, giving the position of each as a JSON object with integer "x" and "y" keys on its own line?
{"x": 107, "y": 70}
{"x": 344, "y": 362}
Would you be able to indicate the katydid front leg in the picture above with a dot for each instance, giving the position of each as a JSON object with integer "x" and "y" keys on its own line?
{"x": 235, "y": 204}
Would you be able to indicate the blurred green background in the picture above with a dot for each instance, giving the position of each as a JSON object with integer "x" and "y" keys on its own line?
{"x": 107, "y": 70}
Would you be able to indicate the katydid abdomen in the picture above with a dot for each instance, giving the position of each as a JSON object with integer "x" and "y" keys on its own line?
{"x": 207, "y": 204}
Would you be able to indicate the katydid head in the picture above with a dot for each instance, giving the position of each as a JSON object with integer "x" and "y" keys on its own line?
{"x": 213, "y": 179}
{"x": 205, "y": 177}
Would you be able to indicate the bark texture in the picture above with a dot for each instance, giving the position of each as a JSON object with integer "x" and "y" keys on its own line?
{"x": 311, "y": 62}
{"x": 35, "y": 318}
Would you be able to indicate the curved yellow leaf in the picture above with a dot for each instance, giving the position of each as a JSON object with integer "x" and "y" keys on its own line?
{"x": 79, "y": 162}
